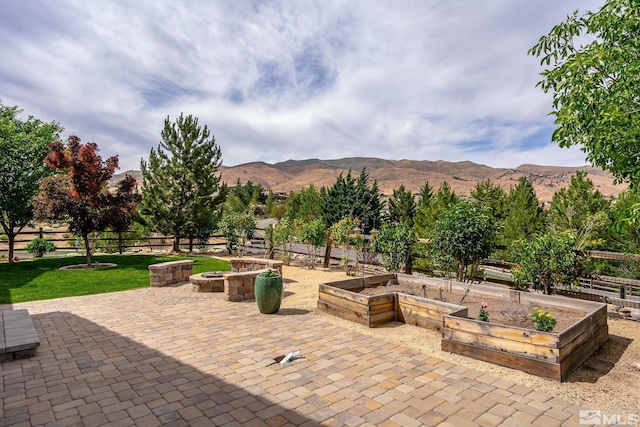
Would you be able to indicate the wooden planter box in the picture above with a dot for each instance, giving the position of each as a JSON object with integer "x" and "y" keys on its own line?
{"x": 343, "y": 300}
{"x": 546, "y": 354}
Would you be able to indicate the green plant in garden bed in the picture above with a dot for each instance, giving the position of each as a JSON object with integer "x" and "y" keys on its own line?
{"x": 41, "y": 279}
{"x": 544, "y": 321}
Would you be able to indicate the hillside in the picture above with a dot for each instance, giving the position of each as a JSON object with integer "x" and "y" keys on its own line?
{"x": 292, "y": 175}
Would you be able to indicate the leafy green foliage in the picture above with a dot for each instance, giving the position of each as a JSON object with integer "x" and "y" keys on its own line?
{"x": 282, "y": 236}
{"x": 428, "y": 214}
{"x": 543, "y": 320}
{"x": 491, "y": 196}
{"x": 352, "y": 198}
{"x": 238, "y": 228}
{"x": 82, "y": 195}
{"x": 465, "y": 234}
{"x": 525, "y": 216}
{"x": 304, "y": 205}
{"x": 582, "y": 210}
{"x": 269, "y": 273}
{"x": 594, "y": 76}
{"x": 402, "y": 207}
{"x": 181, "y": 193}
{"x": 313, "y": 233}
{"x": 41, "y": 278}
{"x": 394, "y": 243}
{"x": 483, "y": 314}
{"x": 347, "y": 233}
{"x": 38, "y": 247}
{"x": 547, "y": 261}
{"x": 23, "y": 147}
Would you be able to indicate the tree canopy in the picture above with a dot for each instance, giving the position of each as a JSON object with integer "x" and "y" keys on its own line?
{"x": 23, "y": 147}
{"x": 594, "y": 76}
{"x": 181, "y": 192}
{"x": 81, "y": 195}
{"x": 581, "y": 209}
{"x": 466, "y": 234}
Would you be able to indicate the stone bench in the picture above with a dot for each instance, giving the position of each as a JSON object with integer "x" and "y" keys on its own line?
{"x": 171, "y": 272}
{"x": 18, "y": 337}
{"x": 237, "y": 285}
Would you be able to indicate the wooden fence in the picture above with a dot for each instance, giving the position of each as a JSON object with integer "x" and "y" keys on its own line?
{"x": 130, "y": 239}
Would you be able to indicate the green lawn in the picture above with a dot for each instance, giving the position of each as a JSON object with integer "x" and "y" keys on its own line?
{"x": 40, "y": 279}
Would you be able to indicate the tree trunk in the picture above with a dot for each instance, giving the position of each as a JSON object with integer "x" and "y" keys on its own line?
{"x": 87, "y": 248}
{"x": 120, "y": 242}
{"x": 190, "y": 244}
{"x": 408, "y": 263}
{"x": 176, "y": 243}
{"x": 327, "y": 252}
{"x": 460, "y": 272}
{"x": 12, "y": 239}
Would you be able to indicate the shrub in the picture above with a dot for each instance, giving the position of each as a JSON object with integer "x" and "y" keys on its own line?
{"x": 38, "y": 247}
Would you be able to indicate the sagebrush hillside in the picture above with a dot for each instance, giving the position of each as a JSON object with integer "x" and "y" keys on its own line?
{"x": 391, "y": 174}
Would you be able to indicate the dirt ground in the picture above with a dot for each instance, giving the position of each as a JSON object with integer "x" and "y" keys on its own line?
{"x": 500, "y": 311}
{"x": 607, "y": 381}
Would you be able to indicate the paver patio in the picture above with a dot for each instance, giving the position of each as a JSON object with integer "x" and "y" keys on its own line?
{"x": 169, "y": 356}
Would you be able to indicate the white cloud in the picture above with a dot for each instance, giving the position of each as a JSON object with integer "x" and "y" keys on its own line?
{"x": 431, "y": 80}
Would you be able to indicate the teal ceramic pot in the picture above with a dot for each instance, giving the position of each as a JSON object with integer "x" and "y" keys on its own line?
{"x": 268, "y": 292}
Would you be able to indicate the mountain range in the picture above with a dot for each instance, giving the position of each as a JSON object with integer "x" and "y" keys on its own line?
{"x": 292, "y": 175}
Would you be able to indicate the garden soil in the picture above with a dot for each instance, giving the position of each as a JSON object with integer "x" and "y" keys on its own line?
{"x": 608, "y": 380}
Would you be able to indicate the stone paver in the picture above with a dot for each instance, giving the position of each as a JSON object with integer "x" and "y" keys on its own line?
{"x": 170, "y": 356}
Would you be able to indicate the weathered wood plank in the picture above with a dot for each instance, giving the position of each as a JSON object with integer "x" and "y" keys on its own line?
{"x": 376, "y": 320}
{"x": 594, "y": 328}
{"x": 344, "y": 303}
{"x": 349, "y": 284}
{"x": 574, "y": 360}
{"x": 434, "y": 325}
{"x": 558, "y": 301}
{"x": 513, "y": 333}
{"x": 379, "y": 280}
{"x": 428, "y": 303}
{"x": 343, "y": 293}
{"x": 586, "y": 323}
{"x": 343, "y": 313}
{"x": 540, "y": 368}
{"x": 502, "y": 345}
{"x": 388, "y": 307}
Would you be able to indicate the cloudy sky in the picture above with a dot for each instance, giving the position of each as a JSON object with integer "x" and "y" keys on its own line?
{"x": 277, "y": 80}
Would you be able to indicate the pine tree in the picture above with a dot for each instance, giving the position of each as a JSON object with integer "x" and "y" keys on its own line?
{"x": 581, "y": 209}
{"x": 427, "y": 215}
{"x": 402, "y": 207}
{"x": 525, "y": 216}
{"x": 181, "y": 193}
{"x": 490, "y": 196}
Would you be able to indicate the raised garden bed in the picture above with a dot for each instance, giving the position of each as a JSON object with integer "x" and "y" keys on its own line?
{"x": 345, "y": 299}
{"x": 552, "y": 355}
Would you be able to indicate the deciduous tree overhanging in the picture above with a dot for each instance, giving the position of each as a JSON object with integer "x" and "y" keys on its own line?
{"x": 594, "y": 75}
{"x": 181, "y": 192}
{"x": 81, "y": 195}
{"x": 23, "y": 147}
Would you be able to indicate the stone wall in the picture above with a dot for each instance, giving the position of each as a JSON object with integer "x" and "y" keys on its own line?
{"x": 169, "y": 273}
{"x": 239, "y": 265}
